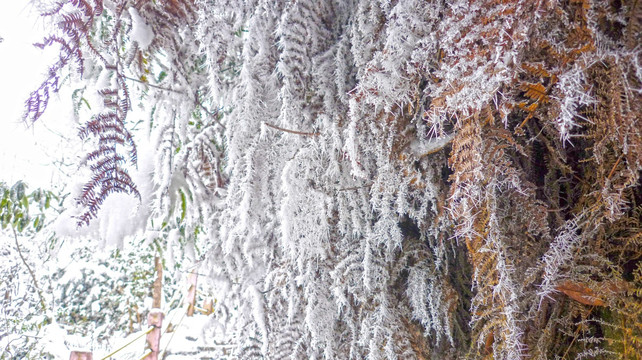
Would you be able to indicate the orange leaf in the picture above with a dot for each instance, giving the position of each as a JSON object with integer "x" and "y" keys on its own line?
{"x": 536, "y": 92}
{"x": 580, "y": 293}
{"x": 488, "y": 343}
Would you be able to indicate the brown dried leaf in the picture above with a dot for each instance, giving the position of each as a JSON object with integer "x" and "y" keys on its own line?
{"x": 580, "y": 293}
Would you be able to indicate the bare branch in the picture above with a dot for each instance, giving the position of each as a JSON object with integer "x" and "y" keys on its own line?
{"x": 33, "y": 275}
{"x": 154, "y": 86}
{"x": 292, "y": 131}
{"x": 213, "y": 114}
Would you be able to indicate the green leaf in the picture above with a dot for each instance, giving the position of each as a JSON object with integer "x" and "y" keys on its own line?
{"x": 6, "y": 219}
{"x": 161, "y": 76}
{"x": 21, "y": 225}
{"x": 36, "y": 195}
{"x": 183, "y": 205}
{"x": 18, "y": 190}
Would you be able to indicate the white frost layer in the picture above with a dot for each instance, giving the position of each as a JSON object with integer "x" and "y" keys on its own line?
{"x": 426, "y": 146}
{"x": 141, "y": 32}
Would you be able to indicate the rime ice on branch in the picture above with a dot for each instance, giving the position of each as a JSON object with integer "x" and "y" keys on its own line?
{"x": 383, "y": 179}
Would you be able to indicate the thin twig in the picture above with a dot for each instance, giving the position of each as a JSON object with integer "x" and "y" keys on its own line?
{"x": 154, "y": 86}
{"x": 615, "y": 166}
{"x": 213, "y": 114}
{"x": 575, "y": 336}
{"x": 291, "y": 131}
{"x": 33, "y": 275}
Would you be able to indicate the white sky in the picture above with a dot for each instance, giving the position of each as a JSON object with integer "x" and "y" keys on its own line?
{"x": 28, "y": 153}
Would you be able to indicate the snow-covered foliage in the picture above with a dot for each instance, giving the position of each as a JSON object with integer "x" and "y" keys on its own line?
{"x": 368, "y": 179}
{"x": 23, "y": 303}
{"x": 96, "y": 296}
